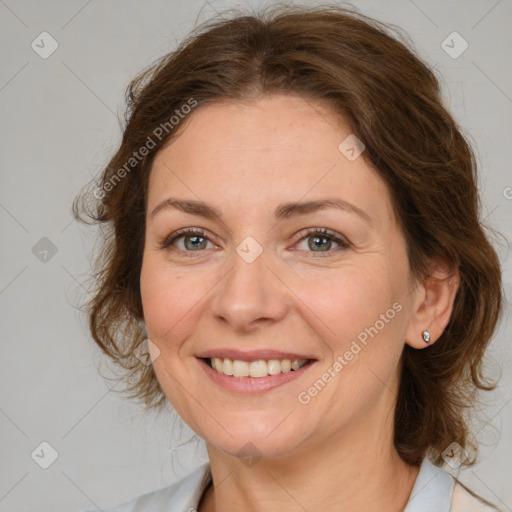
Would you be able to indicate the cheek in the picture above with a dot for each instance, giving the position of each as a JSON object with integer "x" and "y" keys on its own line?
{"x": 349, "y": 299}
{"x": 361, "y": 314}
{"x": 171, "y": 299}
{"x": 158, "y": 293}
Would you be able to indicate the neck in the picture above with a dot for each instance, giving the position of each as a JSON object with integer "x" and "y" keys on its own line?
{"x": 365, "y": 474}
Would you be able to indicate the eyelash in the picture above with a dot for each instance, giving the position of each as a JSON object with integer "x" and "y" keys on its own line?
{"x": 304, "y": 234}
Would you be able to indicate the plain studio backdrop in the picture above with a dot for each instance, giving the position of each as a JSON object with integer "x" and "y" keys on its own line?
{"x": 59, "y": 105}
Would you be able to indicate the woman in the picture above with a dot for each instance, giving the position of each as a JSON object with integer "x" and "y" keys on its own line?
{"x": 296, "y": 241}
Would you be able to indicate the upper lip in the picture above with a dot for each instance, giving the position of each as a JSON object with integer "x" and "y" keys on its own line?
{"x": 253, "y": 355}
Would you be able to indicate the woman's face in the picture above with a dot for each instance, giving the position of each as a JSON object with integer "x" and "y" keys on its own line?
{"x": 257, "y": 281}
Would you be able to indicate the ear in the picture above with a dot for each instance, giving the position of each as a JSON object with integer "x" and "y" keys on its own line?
{"x": 434, "y": 304}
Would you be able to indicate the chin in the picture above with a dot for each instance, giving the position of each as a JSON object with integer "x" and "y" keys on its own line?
{"x": 252, "y": 437}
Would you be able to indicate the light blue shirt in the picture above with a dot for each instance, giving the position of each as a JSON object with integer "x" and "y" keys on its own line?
{"x": 434, "y": 490}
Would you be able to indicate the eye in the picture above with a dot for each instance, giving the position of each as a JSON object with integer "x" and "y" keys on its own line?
{"x": 194, "y": 239}
{"x": 322, "y": 239}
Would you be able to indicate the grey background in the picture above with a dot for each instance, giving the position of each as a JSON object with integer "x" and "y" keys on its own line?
{"x": 59, "y": 127}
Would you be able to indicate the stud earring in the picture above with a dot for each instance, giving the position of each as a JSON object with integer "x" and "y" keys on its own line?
{"x": 426, "y": 336}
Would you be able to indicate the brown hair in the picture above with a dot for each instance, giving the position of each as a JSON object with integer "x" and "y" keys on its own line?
{"x": 392, "y": 102}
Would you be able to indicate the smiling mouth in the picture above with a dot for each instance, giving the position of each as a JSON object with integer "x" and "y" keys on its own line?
{"x": 256, "y": 369}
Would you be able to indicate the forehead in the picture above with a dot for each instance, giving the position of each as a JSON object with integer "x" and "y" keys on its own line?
{"x": 268, "y": 150}
{"x": 278, "y": 126}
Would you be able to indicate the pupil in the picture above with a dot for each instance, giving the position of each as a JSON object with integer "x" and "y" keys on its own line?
{"x": 318, "y": 241}
{"x": 194, "y": 240}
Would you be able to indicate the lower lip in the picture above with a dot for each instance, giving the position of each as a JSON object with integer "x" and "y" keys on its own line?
{"x": 253, "y": 384}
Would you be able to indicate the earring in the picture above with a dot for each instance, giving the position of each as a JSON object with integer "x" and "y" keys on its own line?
{"x": 426, "y": 336}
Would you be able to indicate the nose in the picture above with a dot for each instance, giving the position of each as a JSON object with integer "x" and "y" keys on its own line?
{"x": 250, "y": 295}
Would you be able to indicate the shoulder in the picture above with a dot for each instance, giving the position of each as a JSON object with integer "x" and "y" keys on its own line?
{"x": 464, "y": 501}
{"x": 436, "y": 490}
{"x": 182, "y": 495}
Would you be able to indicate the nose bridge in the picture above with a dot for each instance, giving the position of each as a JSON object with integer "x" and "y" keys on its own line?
{"x": 250, "y": 290}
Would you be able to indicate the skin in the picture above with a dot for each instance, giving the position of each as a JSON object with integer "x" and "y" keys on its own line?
{"x": 245, "y": 158}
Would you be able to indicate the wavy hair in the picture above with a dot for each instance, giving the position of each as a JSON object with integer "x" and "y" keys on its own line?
{"x": 368, "y": 73}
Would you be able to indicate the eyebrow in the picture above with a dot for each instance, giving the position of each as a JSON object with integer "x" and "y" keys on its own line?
{"x": 283, "y": 211}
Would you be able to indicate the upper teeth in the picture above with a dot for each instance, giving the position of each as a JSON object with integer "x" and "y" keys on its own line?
{"x": 260, "y": 368}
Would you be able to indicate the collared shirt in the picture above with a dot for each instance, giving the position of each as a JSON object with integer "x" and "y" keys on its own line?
{"x": 434, "y": 490}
